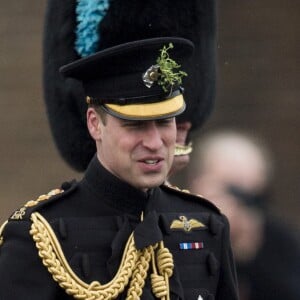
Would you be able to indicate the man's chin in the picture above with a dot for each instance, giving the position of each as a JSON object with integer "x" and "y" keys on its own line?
{"x": 153, "y": 182}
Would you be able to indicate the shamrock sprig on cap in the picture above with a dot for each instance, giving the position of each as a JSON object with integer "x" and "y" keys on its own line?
{"x": 167, "y": 66}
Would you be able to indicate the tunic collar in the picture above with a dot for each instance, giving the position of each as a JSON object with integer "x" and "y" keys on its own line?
{"x": 114, "y": 192}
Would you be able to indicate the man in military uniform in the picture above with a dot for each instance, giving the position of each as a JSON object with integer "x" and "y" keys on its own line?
{"x": 119, "y": 233}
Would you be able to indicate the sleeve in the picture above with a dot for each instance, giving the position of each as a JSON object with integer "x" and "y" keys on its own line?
{"x": 22, "y": 273}
{"x": 227, "y": 287}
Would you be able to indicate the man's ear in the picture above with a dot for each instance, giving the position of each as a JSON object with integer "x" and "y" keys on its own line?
{"x": 94, "y": 123}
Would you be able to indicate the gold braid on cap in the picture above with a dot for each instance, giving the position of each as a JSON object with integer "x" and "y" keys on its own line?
{"x": 132, "y": 271}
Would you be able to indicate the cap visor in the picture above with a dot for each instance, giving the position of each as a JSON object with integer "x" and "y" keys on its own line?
{"x": 148, "y": 111}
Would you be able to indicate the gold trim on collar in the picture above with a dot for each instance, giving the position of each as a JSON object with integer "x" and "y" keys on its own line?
{"x": 183, "y": 149}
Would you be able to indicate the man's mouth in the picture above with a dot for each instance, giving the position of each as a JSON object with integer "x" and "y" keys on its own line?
{"x": 151, "y": 161}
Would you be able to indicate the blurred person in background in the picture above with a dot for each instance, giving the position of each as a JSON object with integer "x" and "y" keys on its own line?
{"x": 235, "y": 171}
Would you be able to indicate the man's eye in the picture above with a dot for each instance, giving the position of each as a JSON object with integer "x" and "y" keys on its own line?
{"x": 132, "y": 124}
{"x": 165, "y": 121}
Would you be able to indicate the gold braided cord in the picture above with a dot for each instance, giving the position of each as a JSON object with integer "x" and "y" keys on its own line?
{"x": 165, "y": 260}
{"x": 140, "y": 274}
{"x": 132, "y": 271}
{"x": 160, "y": 277}
{"x": 1, "y": 231}
{"x": 158, "y": 284}
{"x": 53, "y": 258}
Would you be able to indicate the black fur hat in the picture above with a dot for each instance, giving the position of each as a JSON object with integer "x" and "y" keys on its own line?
{"x": 121, "y": 21}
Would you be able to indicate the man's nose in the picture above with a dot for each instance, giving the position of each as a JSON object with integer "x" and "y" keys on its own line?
{"x": 152, "y": 138}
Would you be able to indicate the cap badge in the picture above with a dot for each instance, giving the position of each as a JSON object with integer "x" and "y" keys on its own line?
{"x": 186, "y": 225}
{"x": 163, "y": 72}
{"x": 151, "y": 75}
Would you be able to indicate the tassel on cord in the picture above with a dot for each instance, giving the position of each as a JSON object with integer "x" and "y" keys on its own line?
{"x": 162, "y": 272}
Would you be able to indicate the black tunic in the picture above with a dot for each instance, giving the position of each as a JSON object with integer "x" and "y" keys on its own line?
{"x": 93, "y": 219}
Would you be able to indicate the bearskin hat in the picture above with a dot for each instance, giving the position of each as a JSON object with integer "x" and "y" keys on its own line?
{"x": 74, "y": 29}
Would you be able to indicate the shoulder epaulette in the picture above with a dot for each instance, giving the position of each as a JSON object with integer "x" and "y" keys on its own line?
{"x": 21, "y": 213}
{"x": 189, "y": 195}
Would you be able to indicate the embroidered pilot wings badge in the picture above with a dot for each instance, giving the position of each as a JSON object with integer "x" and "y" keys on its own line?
{"x": 186, "y": 225}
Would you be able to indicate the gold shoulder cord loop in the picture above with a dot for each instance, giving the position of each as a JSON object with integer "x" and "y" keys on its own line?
{"x": 139, "y": 275}
{"x": 53, "y": 258}
{"x": 133, "y": 268}
{"x": 160, "y": 277}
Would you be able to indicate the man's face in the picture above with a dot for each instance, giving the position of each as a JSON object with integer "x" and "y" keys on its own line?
{"x": 138, "y": 152}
